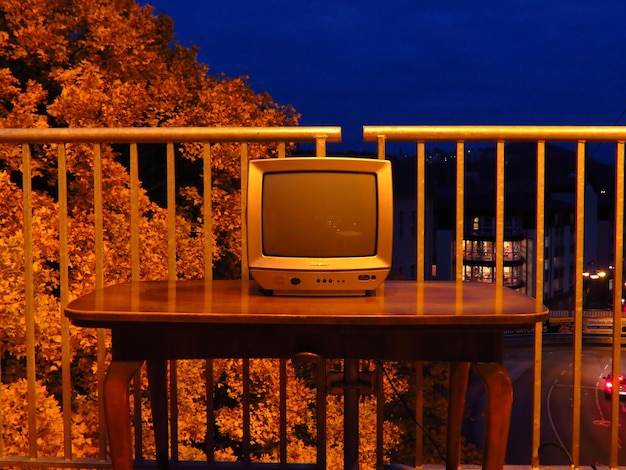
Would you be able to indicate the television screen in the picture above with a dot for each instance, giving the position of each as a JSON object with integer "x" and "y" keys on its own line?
{"x": 319, "y": 214}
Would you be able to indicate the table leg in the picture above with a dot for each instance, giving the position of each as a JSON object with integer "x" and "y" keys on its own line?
{"x": 117, "y": 411}
{"x": 459, "y": 374}
{"x": 499, "y": 391}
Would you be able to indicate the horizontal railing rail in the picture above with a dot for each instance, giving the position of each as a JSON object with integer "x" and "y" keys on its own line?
{"x": 171, "y": 134}
{"x": 494, "y": 133}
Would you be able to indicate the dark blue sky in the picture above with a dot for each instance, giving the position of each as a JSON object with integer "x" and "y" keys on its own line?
{"x": 350, "y": 63}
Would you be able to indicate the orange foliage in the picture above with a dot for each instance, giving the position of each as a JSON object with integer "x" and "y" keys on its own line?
{"x": 93, "y": 63}
{"x": 113, "y": 63}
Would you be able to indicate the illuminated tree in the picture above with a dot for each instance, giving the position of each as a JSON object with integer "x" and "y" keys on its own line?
{"x": 113, "y": 63}
{"x": 93, "y": 63}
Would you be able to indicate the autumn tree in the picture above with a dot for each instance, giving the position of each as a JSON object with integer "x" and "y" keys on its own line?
{"x": 114, "y": 63}
{"x": 86, "y": 63}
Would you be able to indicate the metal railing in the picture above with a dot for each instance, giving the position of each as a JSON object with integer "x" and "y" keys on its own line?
{"x": 72, "y": 151}
{"x": 500, "y": 135}
{"x": 37, "y": 147}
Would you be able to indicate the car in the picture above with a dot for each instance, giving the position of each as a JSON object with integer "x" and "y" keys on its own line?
{"x": 609, "y": 385}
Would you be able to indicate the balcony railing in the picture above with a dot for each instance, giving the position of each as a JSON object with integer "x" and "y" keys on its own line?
{"x": 46, "y": 233}
{"x": 500, "y": 135}
{"x": 36, "y": 419}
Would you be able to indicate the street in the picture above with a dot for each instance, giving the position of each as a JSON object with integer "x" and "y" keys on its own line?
{"x": 556, "y": 403}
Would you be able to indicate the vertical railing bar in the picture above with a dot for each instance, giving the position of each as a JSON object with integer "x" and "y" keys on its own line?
{"x": 98, "y": 215}
{"x": 137, "y": 418}
{"x": 66, "y": 380}
{"x": 320, "y": 146}
{"x": 99, "y": 254}
{"x": 29, "y": 307}
{"x": 350, "y": 411}
{"x": 246, "y": 448}
{"x": 321, "y": 412}
{"x": 380, "y": 417}
{"x": 499, "y": 241}
{"x": 135, "y": 276}
{"x": 101, "y": 372}
{"x": 172, "y": 275}
{"x": 174, "y": 410}
{"x": 207, "y": 220}
{"x": 420, "y": 210}
{"x": 578, "y": 300}
{"x": 134, "y": 212}
{"x": 283, "y": 410}
{"x": 618, "y": 283}
{"x": 282, "y": 149}
{"x": 419, "y": 413}
{"x": 460, "y": 209}
{"x": 210, "y": 411}
{"x": 171, "y": 213}
{"x": 381, "y": 152}
{"x": 540, "y": 221}
{"x": 245, "y": 273}
{"x": 419, "y": 270}
{"x": 380, "y": 147}
{"x": 538, "y": 332}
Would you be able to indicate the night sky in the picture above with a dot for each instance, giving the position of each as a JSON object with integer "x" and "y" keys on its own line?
{"x": 353, "y": 63}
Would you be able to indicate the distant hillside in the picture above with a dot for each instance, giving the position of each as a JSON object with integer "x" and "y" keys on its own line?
{"x": 520, "y": 179}
{"x": 560, "y": 167}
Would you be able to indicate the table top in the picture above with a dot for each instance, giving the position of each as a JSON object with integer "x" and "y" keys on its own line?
{"x": 397, "y": 303}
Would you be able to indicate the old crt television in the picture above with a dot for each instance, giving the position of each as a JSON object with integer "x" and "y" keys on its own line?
{"x": 319, "y": 225}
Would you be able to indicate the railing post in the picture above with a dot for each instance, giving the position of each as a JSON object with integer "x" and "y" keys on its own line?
{"x": 351, "y": 397}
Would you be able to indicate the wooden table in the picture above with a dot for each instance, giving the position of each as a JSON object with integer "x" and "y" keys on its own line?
{"x": 462, "y": 323}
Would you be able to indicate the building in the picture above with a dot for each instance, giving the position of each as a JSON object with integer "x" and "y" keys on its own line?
{"x": 479, "y": 254}
{"x": 519, "y": 229}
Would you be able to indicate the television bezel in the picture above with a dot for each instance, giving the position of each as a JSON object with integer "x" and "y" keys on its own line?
{"x": 379, "y": 262}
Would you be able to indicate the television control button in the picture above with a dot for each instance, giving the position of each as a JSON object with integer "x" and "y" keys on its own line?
{"x": 295, "y": 281}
